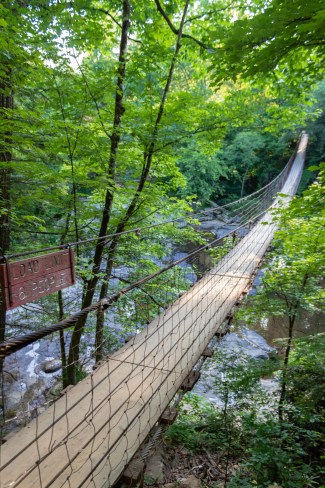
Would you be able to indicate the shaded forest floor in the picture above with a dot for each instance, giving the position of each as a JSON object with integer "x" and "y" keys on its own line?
{"x": 171, "y": 467}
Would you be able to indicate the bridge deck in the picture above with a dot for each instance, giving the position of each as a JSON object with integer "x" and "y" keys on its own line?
{"x": 90, "y": 434}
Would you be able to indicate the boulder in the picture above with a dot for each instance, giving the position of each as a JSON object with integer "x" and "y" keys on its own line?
{"x": 190, "y": 482}
{"x": 52, "y": 366}
{"x": 154, "y": 472}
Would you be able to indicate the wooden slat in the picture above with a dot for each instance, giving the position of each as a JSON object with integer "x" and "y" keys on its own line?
{"x": 169, "y": 416}
{"x": 190, "y": 381}
{"x": 207, "y": 353}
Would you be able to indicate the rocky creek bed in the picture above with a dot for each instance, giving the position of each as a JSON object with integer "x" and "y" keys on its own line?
{"x": 31, "y": 376}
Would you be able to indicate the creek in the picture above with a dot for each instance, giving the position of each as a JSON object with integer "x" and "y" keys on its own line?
{"x": 32, "y": 374}
{"x": 257, "y": 342}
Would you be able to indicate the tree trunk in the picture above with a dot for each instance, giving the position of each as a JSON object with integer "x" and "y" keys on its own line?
{"x": 61, "y": 309}
{"x": 132, "y": 208}
{"x": 115, "y": 141}
{"x": 243, "y": 184}
{"x": 62, "y": 340}
{"x": 292, "y": 314}
{"x": 292, "y": 320}
{"x": 6, "y": 107}
{"x": 100, "y": 320}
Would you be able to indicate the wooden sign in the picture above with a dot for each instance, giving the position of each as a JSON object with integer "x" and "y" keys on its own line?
{"x": 24, "y": 281}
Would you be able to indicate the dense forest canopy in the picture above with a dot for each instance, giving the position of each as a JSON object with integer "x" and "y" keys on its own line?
{"x": 285, "y": 37}
{"x": 113, "y": 101}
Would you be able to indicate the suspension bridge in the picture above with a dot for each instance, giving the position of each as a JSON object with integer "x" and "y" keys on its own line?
{"x": 92, "y": 432}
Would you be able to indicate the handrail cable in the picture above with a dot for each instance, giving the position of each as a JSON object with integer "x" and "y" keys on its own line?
{"x": 151, "y": 226}
{"x": 12, "y": 345}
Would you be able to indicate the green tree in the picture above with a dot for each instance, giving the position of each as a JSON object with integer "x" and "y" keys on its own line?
{"x": 292, "y": 281}
{"x": 282, "y": 36}
{"x": 316, "y": 128}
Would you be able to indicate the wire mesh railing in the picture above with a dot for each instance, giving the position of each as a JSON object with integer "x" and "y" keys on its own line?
{"x": 96, "y": 428}
{"x": 141, "y": 303}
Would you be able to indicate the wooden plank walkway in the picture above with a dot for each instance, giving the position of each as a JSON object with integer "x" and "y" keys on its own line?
{"x": 91, "y": 433}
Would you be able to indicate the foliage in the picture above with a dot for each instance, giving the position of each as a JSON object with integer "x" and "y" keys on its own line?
{"x": 245, "y": 154}
{"x": 296, "y": 263}
{"x": 277, "y": 454}
{"x": 288, "y": 450}
{"x": 202, "y": 171}
{"x": 198, "y": 427}
{"x": 290, "y": 453}
{"x": 63, "y": 117}
{"x": 202, "y": 426}
{"x": 98, "y": 141}
{"x": 103, "y": 150}
{"x": 307, "y": 366}
{"x": 316, "y": 150}
{"x": 293, "y": 455}
{"x": 281, "y": 36}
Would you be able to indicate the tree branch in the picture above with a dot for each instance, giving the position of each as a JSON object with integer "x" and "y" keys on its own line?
{"x": 176, "y": 31}
{"x": 199, "y": 16}
{"x": 106, "y": 12}
{"x": 167, "y": 19}
{"x": 140, "y": 288}
{"x": 189, "y": 134}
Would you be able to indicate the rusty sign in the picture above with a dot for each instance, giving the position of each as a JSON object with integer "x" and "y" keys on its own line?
{"x": 24, "y": 281}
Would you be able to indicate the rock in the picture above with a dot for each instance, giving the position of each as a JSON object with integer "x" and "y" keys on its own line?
{"x": 154, "y": 472}
{"x": 11, "y": 376}
{"x": 52, "y": 366}
{"x": 249, "y": 343}
{"x": 256, "y": 340}
{"x": 191, "y": 482}
{"x": 211, "y": 225}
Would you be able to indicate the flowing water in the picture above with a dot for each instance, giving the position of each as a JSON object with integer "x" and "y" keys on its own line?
{"x": 260, "y": 341}
{"x": 31, "y": 373}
